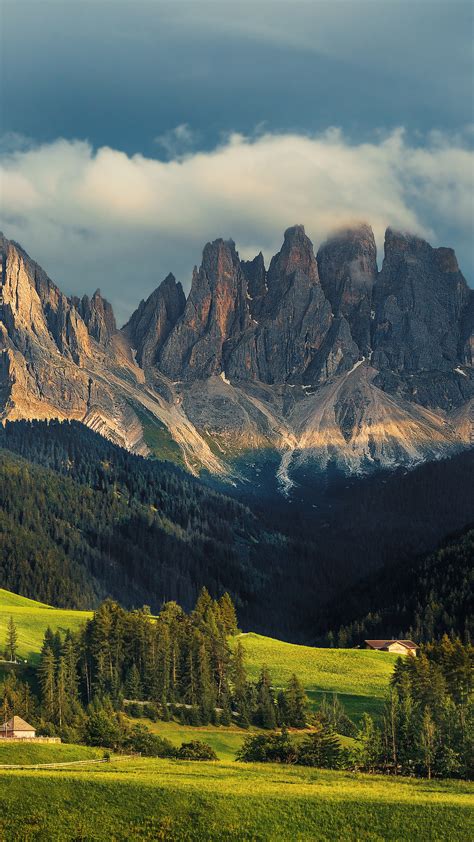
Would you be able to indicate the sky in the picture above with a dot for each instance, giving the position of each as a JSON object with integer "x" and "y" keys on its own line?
{"x": 134, "y": 132}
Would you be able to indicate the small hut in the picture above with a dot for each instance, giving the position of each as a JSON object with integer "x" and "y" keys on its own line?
{"x": 17, "y": 729}
{"x": 400, "y": 647}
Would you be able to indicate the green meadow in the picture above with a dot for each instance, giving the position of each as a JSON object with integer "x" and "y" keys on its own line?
{"x": 360, "y": 677}
{"x": 14, "y": 752}
{"x": 150, "y": 799}
{"x": 32, "y": 619}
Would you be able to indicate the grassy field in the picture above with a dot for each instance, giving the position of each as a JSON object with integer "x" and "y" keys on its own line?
{"x": 32, "y": 619}
{"x": 20, "y": 752}
{"x": 141, "y": 799}
{"x": 359, "y": 676}
{"x": 225, "y": 741}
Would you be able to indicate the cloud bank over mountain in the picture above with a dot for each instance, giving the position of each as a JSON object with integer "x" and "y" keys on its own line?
{"x": 102, "y": 218}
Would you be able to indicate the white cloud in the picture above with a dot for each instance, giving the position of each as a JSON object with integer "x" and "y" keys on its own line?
{"x": 102, "y": 218}
{"x": 178, "y": 141}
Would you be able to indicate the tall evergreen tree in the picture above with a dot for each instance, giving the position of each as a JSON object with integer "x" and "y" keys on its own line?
{"x": 12, "y": 640}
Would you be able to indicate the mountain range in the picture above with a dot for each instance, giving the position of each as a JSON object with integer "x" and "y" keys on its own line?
{"x": 317, "y": 360}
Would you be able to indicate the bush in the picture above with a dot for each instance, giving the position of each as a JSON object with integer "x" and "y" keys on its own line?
{"x": 141, "y": 740}
{"x": 195, "y": 750}
{"x": 151, "y": 711}
{"x": 102, "y": 730}
{"x": 268, "y": 748}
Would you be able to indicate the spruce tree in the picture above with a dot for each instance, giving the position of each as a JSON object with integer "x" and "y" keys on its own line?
{"x": 266, "y": 708}
{"x": 228, "y": 614}
{"x": 296, "y": 704}
{"x": 12, "y": 640}
{"x": 47, "y": 678}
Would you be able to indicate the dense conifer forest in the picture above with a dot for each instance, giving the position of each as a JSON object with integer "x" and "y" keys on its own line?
{"x": 422, "y": 599}
{"x": 82, "y": 519}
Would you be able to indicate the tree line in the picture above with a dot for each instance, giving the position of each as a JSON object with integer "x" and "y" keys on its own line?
{"x": 83, "y": 519}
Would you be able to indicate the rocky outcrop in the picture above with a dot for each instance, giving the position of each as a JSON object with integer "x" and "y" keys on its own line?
{"x": 295, "y": 337}
{"x": 255, "y": 272}
{"x": 153, "y": 321}
{"x": 216, "y": 312}
{"x": 316, "y": 361}
{"x": 420, "y": 301}
{"x": 347, "y": 264}
{"x": 98, "y": 316}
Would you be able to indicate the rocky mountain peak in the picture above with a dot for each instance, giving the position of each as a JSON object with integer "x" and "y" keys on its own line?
{"x": 152, "y": 322}
{"x": 420, "y": 298}
{"x": 98, "y": 316}
{"x": 347, "y": 264}
{"x": 216, "y": 312}
{"x": 295, "y": 255}
{"x": 256, "y": 275}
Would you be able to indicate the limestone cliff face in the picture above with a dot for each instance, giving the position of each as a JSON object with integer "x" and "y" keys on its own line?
{"x": 347, "y": 264}
{"x": 216, "y": 311}
{"x": 153, "y": 321}
{"x": 420, "y": 301}
{"x": 255, "y": 272}
{"x": 324, "y": 360}
{"x": 294, "y": 337}
{"x": 98, "y": 316}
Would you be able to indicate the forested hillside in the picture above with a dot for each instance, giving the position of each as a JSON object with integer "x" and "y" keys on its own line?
{"x": 98, "y": 520}
{"x": 423, "y": 599}
{"x": 82, "y": 519}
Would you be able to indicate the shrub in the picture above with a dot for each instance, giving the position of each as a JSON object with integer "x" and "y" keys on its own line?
{"x": 268, "y": 748}
{"x": 195, "y": 750}
{"x": 141, "y": 740}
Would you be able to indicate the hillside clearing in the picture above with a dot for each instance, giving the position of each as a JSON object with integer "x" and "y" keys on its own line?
{"x": 360, "y": 677}
{"x": 32, "y": 619}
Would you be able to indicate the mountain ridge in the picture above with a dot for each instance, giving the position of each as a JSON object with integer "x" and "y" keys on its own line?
{"x": 320, "y": 359}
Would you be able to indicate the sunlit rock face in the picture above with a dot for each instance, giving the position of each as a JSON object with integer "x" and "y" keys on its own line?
{"x": 313, "y": 361}
{"x": 216, "y": 311}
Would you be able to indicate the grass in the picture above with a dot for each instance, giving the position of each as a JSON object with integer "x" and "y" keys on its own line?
{"x": 225, "y": 740}
{"x": 32, "y": 619}
{"x": 360, "y": 677}
{"x": 20, "y": 752}
{"x": 158, "y": 438}
{"x": 141, "y": 799}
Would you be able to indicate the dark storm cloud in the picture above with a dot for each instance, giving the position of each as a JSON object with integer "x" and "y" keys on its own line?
{"x": 123, "y": 73}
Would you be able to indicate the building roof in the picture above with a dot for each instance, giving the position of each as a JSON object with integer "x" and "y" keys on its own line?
{"x": 16, "y": 723}
{"x": 382, "y": 644}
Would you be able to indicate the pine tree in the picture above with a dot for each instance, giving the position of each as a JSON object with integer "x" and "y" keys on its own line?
{"x": 296, "y": 704}
{"x": 47, "y": 678}
{"x": 266, "y": 709}
{"x": 133, "y": 686}
{"x": 61, "y": 692}
{"x": 321, "y": 749}
{"x": 12, "y": 640}
{"x": 71, "y": 677}
{"x": 228, "y": 614}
